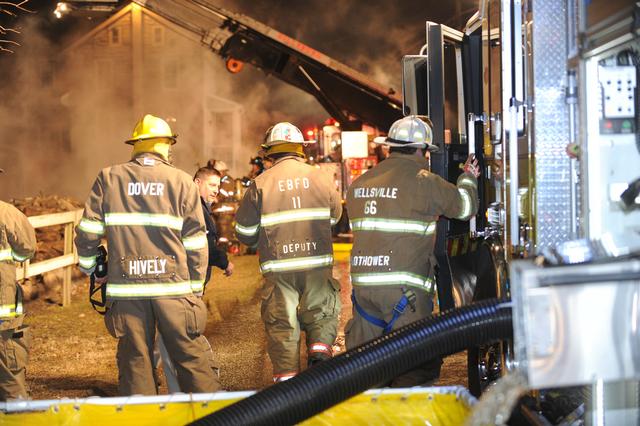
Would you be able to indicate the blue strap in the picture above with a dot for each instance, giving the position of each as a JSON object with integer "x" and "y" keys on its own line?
{"x": 397, "y": 311}
{"x": 386, "y": 327}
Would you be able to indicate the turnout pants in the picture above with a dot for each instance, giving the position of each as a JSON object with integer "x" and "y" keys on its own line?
{"x": 181, "y": 324}
{"x": 379, "y": 302}
{"x": 14, "y": 355}
{"x": 296, "y": 301}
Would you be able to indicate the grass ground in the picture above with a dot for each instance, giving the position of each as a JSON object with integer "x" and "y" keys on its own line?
{"x": 73, "y": 356}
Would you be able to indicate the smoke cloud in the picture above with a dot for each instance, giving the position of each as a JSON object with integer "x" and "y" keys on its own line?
{"x": 67, "y": 110}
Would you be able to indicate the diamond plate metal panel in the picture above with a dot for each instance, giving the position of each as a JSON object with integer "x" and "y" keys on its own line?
{"x": 551, "y": 127}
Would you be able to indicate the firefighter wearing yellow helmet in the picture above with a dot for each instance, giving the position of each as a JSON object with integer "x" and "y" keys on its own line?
{"x": 17, "y": 244}
{"x": 287, "y": 212}
{"x": 151, "y": 217}
{"x": 393, "y": 210}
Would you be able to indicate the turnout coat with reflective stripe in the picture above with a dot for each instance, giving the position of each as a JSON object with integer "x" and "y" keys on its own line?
{"x": 151, "y": 215}
{"x": 393, "y": 209}
{"x": 287, "y": 212}
{"x": 17, "y": 243}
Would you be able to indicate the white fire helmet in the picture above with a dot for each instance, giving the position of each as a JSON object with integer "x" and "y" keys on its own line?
{"x": 413, "y": 131}
{"x": 283, "y": 133}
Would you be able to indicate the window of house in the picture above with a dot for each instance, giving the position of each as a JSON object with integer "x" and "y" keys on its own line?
{"x": 114, "y": 36}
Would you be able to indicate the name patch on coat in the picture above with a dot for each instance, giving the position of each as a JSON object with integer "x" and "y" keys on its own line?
{"x": 370, "y": 260}
{"x": 375, "y": 192}
{"x": 305, "y": 246}
{"x": 145, "y": 188}
{"x": 147, "y": 266}
{"x": 295, "y": 183}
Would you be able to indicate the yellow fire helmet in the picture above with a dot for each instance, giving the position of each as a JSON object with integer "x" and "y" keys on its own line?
{"x": 151, "y": 127}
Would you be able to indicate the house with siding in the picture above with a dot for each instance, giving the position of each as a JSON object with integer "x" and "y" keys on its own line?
{"x": 137, "y": 62}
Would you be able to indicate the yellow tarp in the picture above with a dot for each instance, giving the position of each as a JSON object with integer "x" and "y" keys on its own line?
{"x": 372, "y": 408}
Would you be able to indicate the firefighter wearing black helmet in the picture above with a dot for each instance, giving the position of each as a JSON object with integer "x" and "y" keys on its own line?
{"x": 287, "y": 212}
{"x": 257, "y": 167}
{"x": 393, "y": 211}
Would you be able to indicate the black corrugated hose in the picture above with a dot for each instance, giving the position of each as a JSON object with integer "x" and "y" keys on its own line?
{"x": 335, "y": 380}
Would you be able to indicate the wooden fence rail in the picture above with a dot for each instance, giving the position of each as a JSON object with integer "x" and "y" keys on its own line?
{"x": 67, "y": 260}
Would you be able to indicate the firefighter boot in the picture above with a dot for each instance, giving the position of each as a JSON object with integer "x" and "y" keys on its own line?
{"x": 317, "y": 358}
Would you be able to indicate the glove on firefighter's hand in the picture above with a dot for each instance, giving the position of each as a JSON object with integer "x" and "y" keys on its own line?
{"x": 471, "y": 165}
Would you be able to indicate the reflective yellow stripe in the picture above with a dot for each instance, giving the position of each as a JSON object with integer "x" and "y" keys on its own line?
{"x": 296, "y": 264}
{"x": 115, "y": 291}
{"x": 11, "y": 310}
{"x": 5, "y": 254}
{"x": 91, "y": 226}
{"x": 87, "y": 262}
{"x": 465, "y": 211}
{"x": 195, "y": 243}
{"x": 19, "y": 258}
{"x": 393, "y": 225}
{"x": 467, "y": 181}
{"x": 249, "y": 231}
{"x": 197, "y": 286}
{"x": 296, "y": 215}
{"x": 143, "y": 219}
{"x": 386, "y": 278}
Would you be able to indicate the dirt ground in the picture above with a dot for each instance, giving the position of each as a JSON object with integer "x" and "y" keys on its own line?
{"x": 73, "y": 356}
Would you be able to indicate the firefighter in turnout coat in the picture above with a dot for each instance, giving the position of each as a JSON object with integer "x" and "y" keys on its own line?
{"x": 151, "y": 216}
{"x": 288, "y": 212}
{"x": 393, "y": 211}
{"x": 17, "y": 244}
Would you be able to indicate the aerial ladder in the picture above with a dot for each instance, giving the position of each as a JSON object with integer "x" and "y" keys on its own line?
{"x": 346, "y": 94}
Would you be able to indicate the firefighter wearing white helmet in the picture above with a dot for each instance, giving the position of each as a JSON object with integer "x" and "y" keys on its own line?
{"x": 17, "y": 244}
{"x": 150, "y": 214}
{"x": 393, "y": 210}
{"x": 287, "y": 212}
